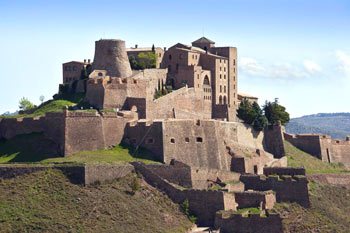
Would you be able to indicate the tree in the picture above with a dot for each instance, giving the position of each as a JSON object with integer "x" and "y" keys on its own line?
{"x": 246, "y": 112}
{"x": 260, "y": 121}
{"x": 146, "y": 60}
{"x": 25, "y": 104}
{"x": 133, "y": 63}
{"x": 84, "y": 73}
{"x": 153, "y": 49}
{"x": 275, "y": 112}
{"x": 42, "y": 98}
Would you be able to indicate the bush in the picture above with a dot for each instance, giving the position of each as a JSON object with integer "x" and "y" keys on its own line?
{"x": 185, "y": 208}
{"x": 252, "y": 114}
{"x": 25, "y": 104}
{"x": 275, "y": 113}
{"x": 135, "y": 185}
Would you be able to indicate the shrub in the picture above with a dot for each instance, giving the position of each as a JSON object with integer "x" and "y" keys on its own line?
{"x": 185, "y": 208}
{"x": 25, "y": 104}
{"x": 135, "y": 184}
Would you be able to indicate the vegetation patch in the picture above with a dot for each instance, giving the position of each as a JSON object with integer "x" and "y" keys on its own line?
{"x": 36, "y": 148}
{"x": 329, "y": 211}
{"x": 312, "y": 165}
{"x": 47, "y": 201}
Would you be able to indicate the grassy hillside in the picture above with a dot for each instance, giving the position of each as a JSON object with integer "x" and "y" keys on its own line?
{"x": 67, "y": 99}
{"x": 35, "y": 148}
{"x": 47, "y": 202}
{"x": 336, "y": 125}
{"x": 298, "y": 158}
{"x": 329, "y": 212}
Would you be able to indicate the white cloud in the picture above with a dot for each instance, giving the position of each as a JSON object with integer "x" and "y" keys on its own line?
{"x": 280, "y": 70}
{"x": 312, "y": 67}
{"x": 344, "y": 62}
{"x": 251, "y": 66}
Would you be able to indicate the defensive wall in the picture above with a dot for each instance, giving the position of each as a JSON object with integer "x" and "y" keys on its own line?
{"x": 280, "y": 171}
{"x": 323, "y": 147}
{"x": 202, "y": 203}
{"x": 287, "y": 188}
{"x": 192, "y": 177}
{"x": 339, "y": 180}
{"x": 261, "y": 200}
{"x": 79, "y": 174}
{"x": 236, "y": 223}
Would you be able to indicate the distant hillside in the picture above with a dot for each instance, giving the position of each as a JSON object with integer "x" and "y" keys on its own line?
{"x": 336, "y": 125}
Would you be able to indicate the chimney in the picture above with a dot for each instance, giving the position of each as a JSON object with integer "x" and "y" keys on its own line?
{"x": 135, "y": 46}
{"x": 164, "y": 49}
{"x": 84, "y": 61}
{"x": 88, "y": 61}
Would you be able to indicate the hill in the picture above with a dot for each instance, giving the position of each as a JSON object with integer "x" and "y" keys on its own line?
{"x": 336, "y": 125}
{"x": 46, "y": 201}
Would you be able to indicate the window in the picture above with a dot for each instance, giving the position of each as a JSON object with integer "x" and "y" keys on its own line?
{"x": 169, "y": 56}
{"x": 224, "y": 69}
{"x": 220, "y": 99}
{"x": 220, "y": 88}
{"x": 234, "y": 61}
{"x": 192, "y": 56}
{"x": 206, "y": 80}
{"x": 220, "y": 76}
{"x": 220, "y": 68}
{"x": 199, "y": 139}
{"x": 225, "y": 99}
{"x": 172, "y": 141}
{"x": 197, "y": 76}
{"x": 187, "y": 140}
{"x": 177, "y": 67}
{"x": 234, "y": 86}
{"x": 234, "y": 78}
{"x": 224, "y": 89}
{"x": 234, "y": 70}
{"x": 149, "y": 141}
{"x": 100, "y": 74}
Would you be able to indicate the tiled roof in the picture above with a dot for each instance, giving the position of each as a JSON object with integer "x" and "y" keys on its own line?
{"x": 203, "y": 40}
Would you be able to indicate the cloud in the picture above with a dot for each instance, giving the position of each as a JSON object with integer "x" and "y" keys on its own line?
{"x": 344, "y": 62}
{"x": 251, "y": 66}
{"x": 312, "y": 67}
{"x": 280, "y": 71}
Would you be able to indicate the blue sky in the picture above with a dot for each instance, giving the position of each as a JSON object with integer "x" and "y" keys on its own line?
{"x": 298, "y": 51}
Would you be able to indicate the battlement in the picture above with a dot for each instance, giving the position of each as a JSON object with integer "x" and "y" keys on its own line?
{"x": 111, "y": 80}
{"x": 229, "y": 222}
{"x": 292, "y": 171}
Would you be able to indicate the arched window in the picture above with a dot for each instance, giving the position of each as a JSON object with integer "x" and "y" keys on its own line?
{"x": 225, "y": 99}
{"x": 220, "y": 88}
{"x": 220, "y": 99}
{"x": 206, "y": 80}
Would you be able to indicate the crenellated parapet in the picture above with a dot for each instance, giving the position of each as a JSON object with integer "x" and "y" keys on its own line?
{"x": 287, "y": 188}
{"x": 230, "y": 222}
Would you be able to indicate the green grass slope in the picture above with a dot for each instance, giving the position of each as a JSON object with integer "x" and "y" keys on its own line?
{"x": 46, "y": 201}
{"x": 35, "y": 148}
{"x": 329, "y": 212}
{"x": 298, "y": 158}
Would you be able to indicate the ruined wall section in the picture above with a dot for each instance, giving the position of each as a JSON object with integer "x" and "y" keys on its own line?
{"x": 203, "y": 204}
{"x": 236, "y": 223}
{"x": 288, "y": 189}
{"x": 307, "y": 142}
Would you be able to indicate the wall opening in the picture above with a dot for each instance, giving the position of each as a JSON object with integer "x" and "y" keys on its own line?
{"x": 172, "y": 140}
{"x": 149, "y": 141}
{"x": 328, "y": 158}
{"x": 255, "y": 169}
{"x": 187, "y": 140}
{"x": 199, "y": 139}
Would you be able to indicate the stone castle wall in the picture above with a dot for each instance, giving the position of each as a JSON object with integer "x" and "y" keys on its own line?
{"x": 280, "y": 171}
{"x": 203, "y": 204}
{"x": 323, "y": 147}
{"x": 236, "y": 223}
{"x": 10, "y": 127}
{"x": 287, "y": 190}
{"x": 80, "y": 174}
{"x": 273, "y": 140}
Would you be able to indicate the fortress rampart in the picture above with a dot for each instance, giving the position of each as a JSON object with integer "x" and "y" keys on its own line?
{"x": 288, "y": 189}
{"x": 323, "y": 147}
{"x": 203, "y": 204}
{"x": 236, "y": 223}
{"x": 280, "y": 171}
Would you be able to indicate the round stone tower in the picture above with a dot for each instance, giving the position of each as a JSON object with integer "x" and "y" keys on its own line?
{"x": 111, "y": 55}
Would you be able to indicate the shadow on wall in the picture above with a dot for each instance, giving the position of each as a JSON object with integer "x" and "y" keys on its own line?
{"x": 139, "y": 153}
{"x": 255, "y": 133}
{"x": 32, "y": 147}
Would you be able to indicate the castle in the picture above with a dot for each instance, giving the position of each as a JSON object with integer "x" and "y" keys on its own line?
{"x": 193, "y": 129}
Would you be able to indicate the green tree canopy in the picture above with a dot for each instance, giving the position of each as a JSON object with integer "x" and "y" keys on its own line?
{"x": 260, "y": 121}
{"x": 25, "y": 104}
{"x": 143, "y": 61}
{"x": 246, "y": 112}
{"x": 275, "y": 112}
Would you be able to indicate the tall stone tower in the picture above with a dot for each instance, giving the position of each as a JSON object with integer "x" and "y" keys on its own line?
{"x": 111, "y": 55}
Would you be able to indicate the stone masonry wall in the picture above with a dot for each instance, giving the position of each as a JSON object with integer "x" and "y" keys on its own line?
{"x": 287, "y": 190}
{"x": 273, "y": 140}
{"x": 291, "y": 171}
{"x": 202, "y": 204}
{"x": 10, "y": 127}
{"x": 236, "y": 223}
{"x": 264, "y": 200}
